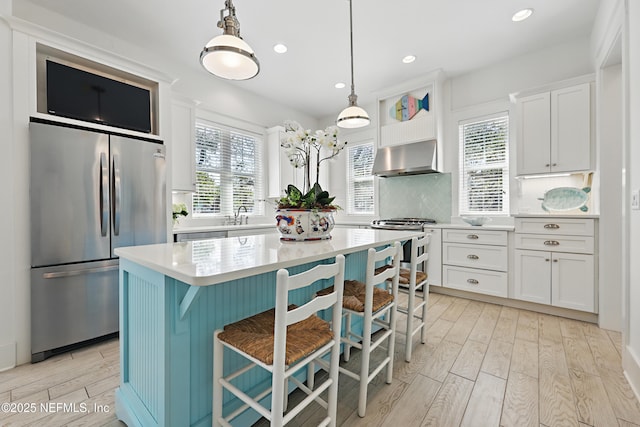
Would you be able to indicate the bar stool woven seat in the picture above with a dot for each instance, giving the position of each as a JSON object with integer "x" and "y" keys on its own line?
{"x": 405, "y": 275}
{"x": 354, "y": 296}
{"x": 255, "y": 336}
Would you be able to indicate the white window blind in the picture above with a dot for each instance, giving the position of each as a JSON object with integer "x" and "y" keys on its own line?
{"x": 360, "y": 194}
{"x": 228, "y": 171}
{"x": 484, "y": 165}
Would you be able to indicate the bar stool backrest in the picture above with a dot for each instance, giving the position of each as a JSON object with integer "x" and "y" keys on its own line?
{"x": 419, "y": 253}
{"x": 285, "y": 317}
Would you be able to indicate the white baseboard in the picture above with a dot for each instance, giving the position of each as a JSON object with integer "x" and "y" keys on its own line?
{"x": 631, "y": 366}
{"x": 7, "y": 356}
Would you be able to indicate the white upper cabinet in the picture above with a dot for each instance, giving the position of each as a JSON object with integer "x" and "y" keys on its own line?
{"x": 183, "y": 124}
{"x": 554, "y": 131}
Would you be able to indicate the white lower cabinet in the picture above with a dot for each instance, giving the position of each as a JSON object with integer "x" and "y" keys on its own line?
{"x": 559, "y": 279}
{"x": 475, "y": 280}
{"x": 557, "y": 270}
{"x": 434, "y": 263}
{"x": 475, "y": 260}
{"x": 573, "y": 281}
{"x": 533, "y": 276}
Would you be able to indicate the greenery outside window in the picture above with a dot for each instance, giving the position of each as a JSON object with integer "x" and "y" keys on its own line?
{"x": 360, "y": 195}
{"x": 228, "y": 171}
{"x": 484, "y": 165}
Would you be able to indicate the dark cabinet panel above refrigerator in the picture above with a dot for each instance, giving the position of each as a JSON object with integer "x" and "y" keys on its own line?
{"x": 81, "y": 95}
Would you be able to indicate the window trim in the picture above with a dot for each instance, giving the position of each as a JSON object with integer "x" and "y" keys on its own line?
{"x": 226, "y": 203}
{"x": 506, "y": 202}
{"x": 348, "y": 195}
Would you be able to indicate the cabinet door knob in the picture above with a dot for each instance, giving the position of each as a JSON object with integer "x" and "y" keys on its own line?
{"x": 547, "y": 165}
{"x": 555, "y": 260}
{"x": 554, "y": 164}
{"x": 472, "y": 236}
{"x": 472, "y": 281}
{"x": 473, "y": 256}
{"x": 547, "y": 259}
{"x": 551, "y": 243}
{"x": 551, "y": 226}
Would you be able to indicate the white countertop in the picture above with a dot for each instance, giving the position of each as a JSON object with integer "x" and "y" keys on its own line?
{"x": 204, "y": 228}
{"x": 207, "y": 262}
{"x": 474, "y": 227}
{"x": 555, "y": 215}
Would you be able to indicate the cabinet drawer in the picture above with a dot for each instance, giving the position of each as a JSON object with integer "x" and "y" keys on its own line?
{"x": 553, "y": 226}
{"x": 474, "y": 236}
{"x": 536, "y": 242}
{"x": 473, "y": 280}
{"x": 476, "y": 256}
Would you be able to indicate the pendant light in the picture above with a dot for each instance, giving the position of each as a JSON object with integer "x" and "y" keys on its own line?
{"x": 352, "y": 116}
{"x": 227, "y": 55}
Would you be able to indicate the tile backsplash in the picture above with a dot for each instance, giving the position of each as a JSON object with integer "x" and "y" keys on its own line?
{"x": 424, "y": 196}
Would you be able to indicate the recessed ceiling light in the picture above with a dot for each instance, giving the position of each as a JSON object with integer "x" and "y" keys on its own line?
{"x": 521, "y": 15}
{"x": 280, "y": 48}
{"x": 339, "y": 85}
{"x": 408, "y": 59}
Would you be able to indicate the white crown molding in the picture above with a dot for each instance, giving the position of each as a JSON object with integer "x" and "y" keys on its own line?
{"x": 83, "y": 49}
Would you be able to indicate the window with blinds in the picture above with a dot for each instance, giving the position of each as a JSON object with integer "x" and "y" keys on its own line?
{"x": 228, "y": 171}
{"x": 484, "y": 165}
{"x": 360, "y": 180}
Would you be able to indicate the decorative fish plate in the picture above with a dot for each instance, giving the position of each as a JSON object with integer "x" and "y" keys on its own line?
{"x": 566, "y": 199}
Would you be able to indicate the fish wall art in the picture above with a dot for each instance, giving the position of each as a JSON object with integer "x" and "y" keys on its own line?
{"x": 408, "y": 106}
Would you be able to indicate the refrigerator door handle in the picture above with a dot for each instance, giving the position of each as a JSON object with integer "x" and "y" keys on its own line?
{"x": 104, "y": 195}
{"x": 117, "y": 193}
{"x": 80, "y": 272}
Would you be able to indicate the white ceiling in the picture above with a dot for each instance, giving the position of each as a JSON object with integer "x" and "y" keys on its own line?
{"x": 454, "y": 35}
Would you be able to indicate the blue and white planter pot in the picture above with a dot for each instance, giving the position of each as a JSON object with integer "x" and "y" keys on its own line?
{"x": 305, "y": 224}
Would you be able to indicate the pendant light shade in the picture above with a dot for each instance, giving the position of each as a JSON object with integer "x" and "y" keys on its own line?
{"x": 353, "y": 116}
{"x": 227, "y": 55}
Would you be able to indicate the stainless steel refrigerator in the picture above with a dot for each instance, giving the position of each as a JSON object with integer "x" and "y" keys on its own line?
{"x": 90, "y": 193}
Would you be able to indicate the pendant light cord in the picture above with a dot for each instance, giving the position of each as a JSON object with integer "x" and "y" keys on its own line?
{"x": 353, "y": 87}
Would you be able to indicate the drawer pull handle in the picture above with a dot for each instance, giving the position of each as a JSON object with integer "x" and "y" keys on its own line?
{"x": 555, "y": 260}
{"x": 472, "y": 236}
{"x": 551, "y": 226}
{"x": 551, "y": 243}
{"x": 473, "y": 256}
{"x": 547, "y": 259}
{"x": 472, "y": 281}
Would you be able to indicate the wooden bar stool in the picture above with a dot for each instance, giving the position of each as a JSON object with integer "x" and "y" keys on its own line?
{"x": 415, "y": 280}
{"x": 282, "y": 341}
{"x": 412, "y": 280}
{"x": 377, "y": 307}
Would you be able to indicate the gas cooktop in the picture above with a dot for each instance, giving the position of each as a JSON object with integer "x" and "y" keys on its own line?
{"x": 401, "y": 223}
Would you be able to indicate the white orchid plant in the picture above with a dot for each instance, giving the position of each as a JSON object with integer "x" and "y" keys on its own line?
{"x": 304, "y": 147}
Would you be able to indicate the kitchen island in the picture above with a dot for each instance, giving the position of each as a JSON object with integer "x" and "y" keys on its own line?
{"x": 173, "y": 296}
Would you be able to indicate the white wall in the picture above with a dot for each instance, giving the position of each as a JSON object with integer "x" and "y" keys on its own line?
{"x": 7, "y": 270}
{"x": 560, "y": 62}
{"x": 631, "y": 52}
{"x": 610, "y": 231}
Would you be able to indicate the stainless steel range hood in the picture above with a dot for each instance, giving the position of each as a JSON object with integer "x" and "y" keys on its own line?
{"x": 408, "y": 159}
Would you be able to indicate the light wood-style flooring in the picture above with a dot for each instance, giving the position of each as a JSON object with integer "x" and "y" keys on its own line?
{"x": 483, "y": 365}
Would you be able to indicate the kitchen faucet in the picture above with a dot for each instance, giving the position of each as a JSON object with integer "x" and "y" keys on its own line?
{"x": 237, "y": 220}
